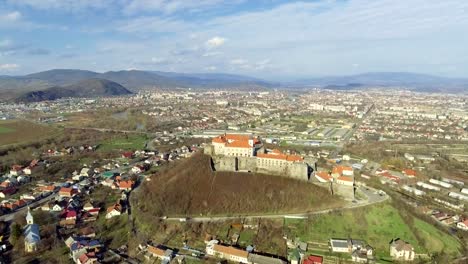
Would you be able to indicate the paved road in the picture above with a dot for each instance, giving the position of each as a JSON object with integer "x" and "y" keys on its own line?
{"x": 372, "y": 198}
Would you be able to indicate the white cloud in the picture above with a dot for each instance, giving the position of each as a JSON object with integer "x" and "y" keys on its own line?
{"x": 169, "y": 6}
{"x": 238, "y": 62}
{"x": 211, "y": 68}
{"x": 64, "y": 5}
{"x": 11, "y": 17}
{"x": 212, "y": 53}
{"x": 153, "y": 25}
{"x": 9, "y": 67}
{"x": 215, "y": 42}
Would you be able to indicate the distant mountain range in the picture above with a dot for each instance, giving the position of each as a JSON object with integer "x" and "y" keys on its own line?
{"x": 133, "y": 79}
{"x": 412, "y": 81}
{"x": 49, "y": 84}
{"x": 86, "y": 88}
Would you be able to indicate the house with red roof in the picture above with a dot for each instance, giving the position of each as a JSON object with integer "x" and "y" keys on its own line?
{"x": 87, "y": 258}
{"x": 463, "y": 225}
{"x": 323, "y": 176}
{"x": 16, "y": 170}
{"x": 114, "y": 210}
{"x": 128, "y": 154}
{"x": 409, "y": 173}
{"x": 126, "y": 185}
{"x": 313, "y": 259}
{"x": 69, "y": 215}
{"x": 66, "y": 192}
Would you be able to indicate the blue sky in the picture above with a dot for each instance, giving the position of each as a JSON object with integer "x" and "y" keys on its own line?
{"x": 271, "y": 39}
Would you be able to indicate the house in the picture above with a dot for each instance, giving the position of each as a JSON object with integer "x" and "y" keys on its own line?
{"x": 137, "y": 169}
{"x": 165, "y": 255}
{"x": 88, "y": 206}
{"x": 114, "y": 210}
{"x": 69, "y": 215}
{"x": 229, "y": 253}
{"x": 401, "y": 250}
{"x": 126, "y": 185}
{"x": 127, "y": 155}
{"x": 47, "y": 188}
{"x": 7, "y": 191}
{"x": 463, "y": 225}
{"x": 339, "y": 245}
{"x": 27, "y": 171}
{"x": 20, "y": 203}
{"x": 313, "y": 259}
{"x": 16, "y": 170}
{"x": 66, "y": 192}
{"x": 363, "y": 255}
{"x": 94, "y": 211}
{"x": 57, "y": 208}
{"x": 323, "y": 176}
{"x": 84, "y": 172}
{"x": 87, "y": 232}
{"x": 259, "y": 259}
{"x": 87, "y": 258}
{"x": 409, "y": 173}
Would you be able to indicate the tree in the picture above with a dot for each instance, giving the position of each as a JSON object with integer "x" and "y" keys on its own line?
{"x": 16, "y": 232}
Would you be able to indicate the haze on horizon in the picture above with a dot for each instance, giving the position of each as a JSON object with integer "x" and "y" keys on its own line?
{"x": 271, "y": 39}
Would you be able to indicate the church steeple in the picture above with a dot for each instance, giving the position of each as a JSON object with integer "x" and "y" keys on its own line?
{"x": 29, "y": 217}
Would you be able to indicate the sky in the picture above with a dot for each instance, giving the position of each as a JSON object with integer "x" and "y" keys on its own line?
{"x": 271, "y": 39}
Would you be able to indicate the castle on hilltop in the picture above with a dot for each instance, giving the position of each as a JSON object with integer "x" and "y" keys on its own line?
{"x": 234, "y": 152}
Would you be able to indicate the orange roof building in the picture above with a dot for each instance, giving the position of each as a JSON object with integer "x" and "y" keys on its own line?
{"x": 231, "y": 253}
{"x": 323, "y": 176}
{"x": 236, "y": 145}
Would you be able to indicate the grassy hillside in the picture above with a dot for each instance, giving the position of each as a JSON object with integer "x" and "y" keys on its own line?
{"x": 189, "y": 187}
{"x": 19, "y": 131}
{"x": 377, "y": 225}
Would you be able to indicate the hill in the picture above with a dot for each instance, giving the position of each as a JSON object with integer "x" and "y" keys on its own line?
{"x": 414, "y": 81}
{"x": 190, "y": 187}
{"x": 132, "y": 79}
{"x": 85, "y": 88}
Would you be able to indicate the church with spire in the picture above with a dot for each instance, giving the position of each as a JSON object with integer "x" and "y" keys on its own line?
{"x": 31, "y": 233}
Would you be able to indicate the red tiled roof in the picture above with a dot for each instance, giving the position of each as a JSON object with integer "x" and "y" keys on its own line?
{"x": 230, "y": 251}
{"x": 324, "y": 175}
{"x": 276, "y": 154}
{"x": 409, "y": 172}
{"x": 117, "y": 207}
{"x": 16, "y": 167}
{"x": 239, "y": 144}
{"x": 345, "y": 178}
{"x": 126, "y": 184}
{"x": 155, "y": 251}
{"x": 48, "y": 188}
{"x": 236, "y": 141}
{"x": 313, "y": 260}
{"x": 340, "y": 169}
{"x": 66, "y": 190}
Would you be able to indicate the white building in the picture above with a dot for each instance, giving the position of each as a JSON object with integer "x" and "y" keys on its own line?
{"x": 401, "y": 250}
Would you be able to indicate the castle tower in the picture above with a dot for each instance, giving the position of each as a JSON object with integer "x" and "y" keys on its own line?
{"x": 29, "y": 217}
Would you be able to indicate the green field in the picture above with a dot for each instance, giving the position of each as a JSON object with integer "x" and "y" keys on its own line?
{"x": 434, "y": 239}
{"x": 4, "y": 130}
{"x": 132, "y": 142}
{"x": 377, "y": 225}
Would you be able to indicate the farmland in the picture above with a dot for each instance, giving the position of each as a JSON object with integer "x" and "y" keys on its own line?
{"x": 19, "y": 131}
